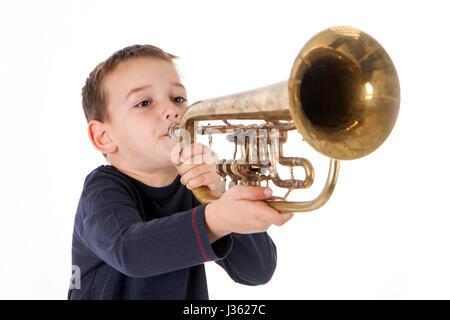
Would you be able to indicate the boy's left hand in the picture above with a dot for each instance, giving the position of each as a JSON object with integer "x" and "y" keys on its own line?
{"x": 197, "y": 167}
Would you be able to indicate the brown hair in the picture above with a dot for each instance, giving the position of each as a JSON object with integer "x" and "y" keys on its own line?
{"x": 94, "y": 97}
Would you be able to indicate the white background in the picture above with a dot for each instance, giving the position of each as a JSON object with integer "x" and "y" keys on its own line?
{"x": 384, "y": 233}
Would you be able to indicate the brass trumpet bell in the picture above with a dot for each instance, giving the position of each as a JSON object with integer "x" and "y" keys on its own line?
{"x": 344, "y": 93}
{"x": 343, "y": 97}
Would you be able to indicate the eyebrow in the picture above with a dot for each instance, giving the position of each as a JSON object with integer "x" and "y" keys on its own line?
{"x": 178, "y": 84}
{"x": 135, "y": 90}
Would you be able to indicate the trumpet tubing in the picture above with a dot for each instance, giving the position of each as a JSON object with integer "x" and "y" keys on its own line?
{"x": 343, "y": 97}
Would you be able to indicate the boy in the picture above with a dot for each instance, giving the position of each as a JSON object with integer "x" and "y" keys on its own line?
{"x": 139, "y": 232}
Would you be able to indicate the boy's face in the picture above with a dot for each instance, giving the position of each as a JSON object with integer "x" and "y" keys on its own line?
{"x": 145, "y": 96}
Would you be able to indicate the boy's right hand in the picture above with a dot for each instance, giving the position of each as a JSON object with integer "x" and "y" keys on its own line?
{"x": 240, "y": 210}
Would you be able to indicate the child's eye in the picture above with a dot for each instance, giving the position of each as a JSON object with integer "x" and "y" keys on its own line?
{"x": 144, "y": 103}
{"x": 179, "y": 100}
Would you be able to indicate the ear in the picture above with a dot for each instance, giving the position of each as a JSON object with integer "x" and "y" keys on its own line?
{"x": 100, "y": 137}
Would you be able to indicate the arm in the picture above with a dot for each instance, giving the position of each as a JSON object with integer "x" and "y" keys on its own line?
{"x": 113, "y": 230}
{"x": 253, "y": 259}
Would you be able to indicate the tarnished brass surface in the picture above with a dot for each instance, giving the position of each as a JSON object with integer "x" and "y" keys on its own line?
{"x": 344, "y": 93}
{"x": 343, "y": 97}
{"x": 322, "y": 198}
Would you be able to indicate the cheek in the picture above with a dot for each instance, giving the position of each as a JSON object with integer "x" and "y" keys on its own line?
{"x": 139, "y": 131}
{"x": 144, "y": 132}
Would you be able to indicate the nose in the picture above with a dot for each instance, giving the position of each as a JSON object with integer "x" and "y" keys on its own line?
{"x": 171, "y": 111}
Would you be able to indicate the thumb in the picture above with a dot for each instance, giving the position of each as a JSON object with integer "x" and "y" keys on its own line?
{"x": 175, "y": 154}
{"x": 240, "y": 192}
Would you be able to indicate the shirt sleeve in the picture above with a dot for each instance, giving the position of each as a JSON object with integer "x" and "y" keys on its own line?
{"x": 252, "y": 260}
{"x": 113, "y": 230}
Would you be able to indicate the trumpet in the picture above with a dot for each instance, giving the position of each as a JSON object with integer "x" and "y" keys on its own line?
{"x": 342, "y": 96}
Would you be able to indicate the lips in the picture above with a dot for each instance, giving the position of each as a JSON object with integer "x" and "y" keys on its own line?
{"x": 166, "y": 132}
{"x": 165, "y": 136}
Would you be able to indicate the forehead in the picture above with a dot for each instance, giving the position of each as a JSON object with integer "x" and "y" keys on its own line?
{"x": 138, "y": 72}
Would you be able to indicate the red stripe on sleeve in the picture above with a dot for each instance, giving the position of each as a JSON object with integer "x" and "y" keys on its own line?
{"x": 197, "y": 235}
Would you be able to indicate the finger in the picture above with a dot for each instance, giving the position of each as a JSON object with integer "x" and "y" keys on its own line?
{"x": 283, "y": 218}
{"x": 209, "y": 157}
{"x": 189, "y": 164}
{"x": 276, "y": 218}
{"x": 240, "y": 192}
{"x": 189, "y": 152}
{"x": 194, "y": 172}
{"x": 192, "y": 150}
{"x": 197, "y": 160}
{"x": 287, "y": 216}
{"x": 175, "y": 155}
{"x": 205, "y": 179}
{"x": 195, "y": 149}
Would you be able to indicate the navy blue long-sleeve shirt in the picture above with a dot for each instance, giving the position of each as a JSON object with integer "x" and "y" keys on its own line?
{"x": 134, "y": 241}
